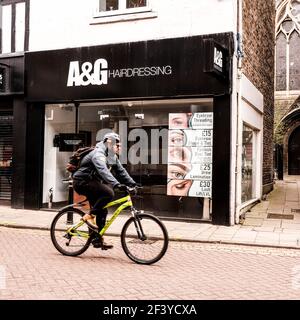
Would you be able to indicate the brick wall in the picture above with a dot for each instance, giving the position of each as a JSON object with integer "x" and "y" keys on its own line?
{"x": 282, "y": 106}
{"x": 258, "y": 66}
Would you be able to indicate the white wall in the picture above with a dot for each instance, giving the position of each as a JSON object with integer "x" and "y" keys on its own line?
{"x": 68, "y": 23}
{"x": 251, "y": 111}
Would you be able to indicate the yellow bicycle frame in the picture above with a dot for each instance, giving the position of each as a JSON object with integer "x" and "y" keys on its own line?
{"x": 125, "y": 203}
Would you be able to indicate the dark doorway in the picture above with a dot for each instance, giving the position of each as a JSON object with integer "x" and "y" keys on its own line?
{"x": 278, "y": 160}
{"x": 294, "y": 152}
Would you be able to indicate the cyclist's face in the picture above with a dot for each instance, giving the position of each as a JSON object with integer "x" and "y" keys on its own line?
{"x": 114, "y": 147}
{"x": 117, "y": 148}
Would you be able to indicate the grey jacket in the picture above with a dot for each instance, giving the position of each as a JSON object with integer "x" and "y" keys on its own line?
{"x": 99, "y": 163}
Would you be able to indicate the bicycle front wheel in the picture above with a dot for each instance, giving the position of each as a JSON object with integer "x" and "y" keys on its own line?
{"x": 144, "y": 238}
{"x": 68, "y": 241}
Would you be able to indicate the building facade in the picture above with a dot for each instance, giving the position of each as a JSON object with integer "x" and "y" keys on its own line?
{"x": 287, "y": 85}
{"x": 187, "y": 84}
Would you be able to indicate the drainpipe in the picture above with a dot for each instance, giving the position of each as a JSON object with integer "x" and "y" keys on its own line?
{"x": 239, "y": 55}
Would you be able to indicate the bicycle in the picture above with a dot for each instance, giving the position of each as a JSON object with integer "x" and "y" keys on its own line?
{"x": 144, "y": 237}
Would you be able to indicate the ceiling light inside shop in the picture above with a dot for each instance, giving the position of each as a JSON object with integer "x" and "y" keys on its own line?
{"x": 139, "y": 116}
{"x": 104, "y": 116}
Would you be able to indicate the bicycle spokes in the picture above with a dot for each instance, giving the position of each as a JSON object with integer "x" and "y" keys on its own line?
{"x": 68, "y": 240}
{"x": 144, "y": 238}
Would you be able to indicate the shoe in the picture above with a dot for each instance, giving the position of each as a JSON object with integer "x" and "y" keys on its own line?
{"x": 98, "y": 242}
{"x": 106, "y": 246}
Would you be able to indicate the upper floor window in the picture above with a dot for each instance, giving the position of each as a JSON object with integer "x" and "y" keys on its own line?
{"x": 287, "y": 45}
{"x": 14, "y": 23}
{"x": 117, "y": 7}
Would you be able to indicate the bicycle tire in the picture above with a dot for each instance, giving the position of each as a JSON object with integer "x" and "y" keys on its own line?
{"x": 61, "y": 228}
{"x": 156, "y": 243}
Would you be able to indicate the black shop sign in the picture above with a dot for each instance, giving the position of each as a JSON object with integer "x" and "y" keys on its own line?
{"x": 157, "y": 68}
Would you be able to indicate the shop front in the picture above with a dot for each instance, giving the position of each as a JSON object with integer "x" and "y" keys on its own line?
{"x": 168, "y": 99}
{"x": 12, "y": 131}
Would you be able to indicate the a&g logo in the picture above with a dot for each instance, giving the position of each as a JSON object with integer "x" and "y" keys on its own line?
{"x": 96, "y": 74}
{"x": 218, "y": 59}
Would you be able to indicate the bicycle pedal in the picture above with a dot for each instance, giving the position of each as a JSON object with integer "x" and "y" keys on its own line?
{"x": 67, "y": 236}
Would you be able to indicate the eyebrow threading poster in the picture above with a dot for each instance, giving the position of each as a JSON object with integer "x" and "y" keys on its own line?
{"x": 190, "y": 143}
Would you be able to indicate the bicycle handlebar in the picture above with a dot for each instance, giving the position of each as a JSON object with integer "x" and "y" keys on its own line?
{"x": 133, "y": 189}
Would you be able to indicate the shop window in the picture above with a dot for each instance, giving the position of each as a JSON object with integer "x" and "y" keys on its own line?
{"x": 59, "y": 121}
{"x": 117, "y": 7}
{"x": 166, "y": 146}
{"x": 247, "y": 163}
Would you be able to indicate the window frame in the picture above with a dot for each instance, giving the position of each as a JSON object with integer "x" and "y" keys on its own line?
{"x": 122, "y": 9}
{"x": 13, "y": 4}
{"x": 283, "y": 14}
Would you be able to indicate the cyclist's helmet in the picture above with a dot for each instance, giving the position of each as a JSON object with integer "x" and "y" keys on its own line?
{"x": 112, "y": 136}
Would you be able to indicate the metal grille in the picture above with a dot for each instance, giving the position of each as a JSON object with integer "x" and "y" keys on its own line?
{"x": 4, "y": 78}
{"x": 280, "y": 216}
{"x": 295, "y": 210}
{"x": 6, "y": 132}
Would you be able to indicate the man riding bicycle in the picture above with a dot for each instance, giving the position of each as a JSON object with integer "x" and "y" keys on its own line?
{"x": 95, "y": 180}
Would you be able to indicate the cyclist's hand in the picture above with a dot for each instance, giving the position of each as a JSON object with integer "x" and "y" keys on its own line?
{"x": 121, "y": 187}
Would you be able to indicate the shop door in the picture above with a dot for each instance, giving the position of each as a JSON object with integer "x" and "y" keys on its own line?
{"x": 6, "y": 132}
{"x": 294, "y": 152}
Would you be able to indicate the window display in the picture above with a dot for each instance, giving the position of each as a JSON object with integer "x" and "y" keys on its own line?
{"x": 163, "y": 141}
{"x": 247, "y": 164}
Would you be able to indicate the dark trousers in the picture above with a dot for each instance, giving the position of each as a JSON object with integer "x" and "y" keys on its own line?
{"x": 98, "y": 195}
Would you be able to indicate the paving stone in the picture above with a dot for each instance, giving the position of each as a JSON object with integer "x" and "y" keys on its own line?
{"x": 253, "y": 222}
{"x": 281, "y": 200}
{"x": 264, "y": 229}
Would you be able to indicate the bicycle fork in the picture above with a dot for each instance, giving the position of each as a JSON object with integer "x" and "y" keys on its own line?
{"x": 138, "y": 225}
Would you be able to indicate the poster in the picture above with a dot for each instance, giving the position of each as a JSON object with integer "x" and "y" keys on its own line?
{"x": 190, "y": 145}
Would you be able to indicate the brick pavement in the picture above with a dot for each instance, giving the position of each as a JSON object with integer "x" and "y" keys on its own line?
{"x": 35, "y": 270}
{"x": 257, "y": 227}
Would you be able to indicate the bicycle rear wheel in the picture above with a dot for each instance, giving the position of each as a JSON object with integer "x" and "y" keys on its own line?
{"x": 74, "y": 243}
{"x": 152, "y": 247}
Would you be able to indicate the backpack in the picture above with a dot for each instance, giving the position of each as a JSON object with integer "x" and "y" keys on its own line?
{"x": 75, "y": 159}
